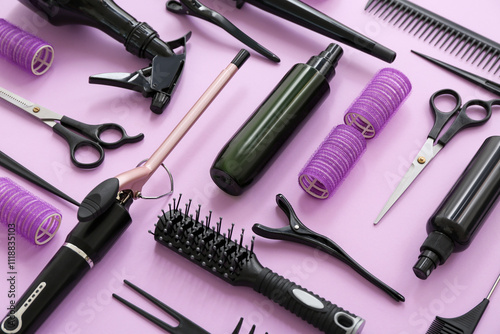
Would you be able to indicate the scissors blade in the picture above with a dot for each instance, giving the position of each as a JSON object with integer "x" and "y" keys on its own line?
{"x": 424, "y": 156}
{"x": 45, "y": 115}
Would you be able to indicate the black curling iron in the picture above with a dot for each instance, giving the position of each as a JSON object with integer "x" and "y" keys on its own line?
{"x": 103, "y": 217}
{"x": 139, "y": 38}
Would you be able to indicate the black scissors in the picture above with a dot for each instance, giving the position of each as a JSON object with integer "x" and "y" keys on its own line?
{"x": 435, "y": 143}
{"x": 67, "y": 128}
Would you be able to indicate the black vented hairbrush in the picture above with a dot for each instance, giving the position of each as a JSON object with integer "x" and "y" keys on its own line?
{"x": 236, "y": 264}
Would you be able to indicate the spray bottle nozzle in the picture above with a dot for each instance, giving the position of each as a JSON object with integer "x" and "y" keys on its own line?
{"x": 434, "y": 251}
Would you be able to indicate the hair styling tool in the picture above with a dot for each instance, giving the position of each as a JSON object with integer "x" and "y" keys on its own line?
{"x": 139, "y": 38}
{"x": 252, "y": 148}
{"x": 237, "y": 265}
{"x": 197, "y": 9}
{"x": 333, "y": 160}
{"x": 344, "y": 145}
{"x": 435, "y": 27}
{"x": 103, "y": 217}
{"x": 26, "y": 214}
{"x": 306, "y": 16}
{"x": 24, "y": 49}
{"x": 16, "y": 168}
{"x": 76, "y": 133}
{"x": 465, "y": 324}
{"x": 185, "y": 326}
{"x": 461, "y": 214}
{"x": 297, "y": 232}
{"x": 475, "y": 79}
{"x": 437, "y": 139}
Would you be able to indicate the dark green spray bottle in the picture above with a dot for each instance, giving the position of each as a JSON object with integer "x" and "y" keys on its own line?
{"x": 258, "y": 141}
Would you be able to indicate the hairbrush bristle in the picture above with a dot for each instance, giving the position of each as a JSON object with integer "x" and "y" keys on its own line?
{"x": 202, "y": 243}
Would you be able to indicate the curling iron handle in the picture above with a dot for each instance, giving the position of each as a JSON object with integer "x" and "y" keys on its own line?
{"x": 317, "y": 311}
{"x": 46, "y": 292}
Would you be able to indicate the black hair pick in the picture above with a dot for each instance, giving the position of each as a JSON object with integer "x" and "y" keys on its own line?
{"x": 238, "y": 265}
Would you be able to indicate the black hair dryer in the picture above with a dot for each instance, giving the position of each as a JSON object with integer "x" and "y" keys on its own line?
{"x": 139, "y": 38}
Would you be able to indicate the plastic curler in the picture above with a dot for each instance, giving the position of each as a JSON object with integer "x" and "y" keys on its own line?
{"x": 332, "y": 161}
{"x": 378, "y": 102}
{"x": 25, "y": 49}
{"x": 26, "y": 214}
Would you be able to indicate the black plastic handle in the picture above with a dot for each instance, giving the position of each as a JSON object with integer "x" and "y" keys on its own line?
{"x": 327, "y": 317}
{"x": 47, "y": 291}
{"x": 442, "y": 117}
{"x": 95, "y": 132}
{"x": 76, "y": 142}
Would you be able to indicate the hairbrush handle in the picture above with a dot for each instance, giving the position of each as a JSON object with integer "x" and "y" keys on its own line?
{"x": 317, "y": 311}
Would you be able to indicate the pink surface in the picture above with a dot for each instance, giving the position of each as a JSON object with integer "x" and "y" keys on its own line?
{"x": 388, "y": 250}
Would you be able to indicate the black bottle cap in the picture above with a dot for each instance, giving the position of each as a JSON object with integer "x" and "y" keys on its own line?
{"x": 327, "y": 60}
{"x": 434, "y": 251}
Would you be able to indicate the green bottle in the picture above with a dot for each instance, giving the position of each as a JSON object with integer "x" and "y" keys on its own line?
{"x": 259, "y": 140}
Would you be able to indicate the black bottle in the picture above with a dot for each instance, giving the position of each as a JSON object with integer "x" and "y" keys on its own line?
{"x": 255, "y": 144}
{"x": 459, "y": 217}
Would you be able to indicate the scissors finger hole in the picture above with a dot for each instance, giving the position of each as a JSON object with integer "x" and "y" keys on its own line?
{"x": 446, "y": 102}
{"x": 476, "y": 110}
{"x": 111, "y": 135}
{"x": 87, "y": 154}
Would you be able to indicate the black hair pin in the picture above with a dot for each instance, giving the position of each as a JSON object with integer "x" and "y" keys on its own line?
{"x": 297, "y": 232}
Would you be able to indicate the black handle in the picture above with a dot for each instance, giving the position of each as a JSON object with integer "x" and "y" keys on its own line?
{"x": 464, "y": 121}
{"x": 137, "y": 37}
{"x": 317, "y": 311}
{"x": 442, "y": 117}
{"x": 47, "y": 291}
{"x": 75, "y": 143}
{"x": 95, "y": 132}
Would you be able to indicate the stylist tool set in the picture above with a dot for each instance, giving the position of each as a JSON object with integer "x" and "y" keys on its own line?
{"x": 103, "y": 217}
{"x": 215, "y": 251}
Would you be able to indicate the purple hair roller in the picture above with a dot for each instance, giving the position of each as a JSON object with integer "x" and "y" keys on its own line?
{"x": 24, "y": 49}
{"x": 345, "y": 144}
{"x": 332, "y": 161}
{"x": 377, "y": 103}
{"x": 26, "y": 214}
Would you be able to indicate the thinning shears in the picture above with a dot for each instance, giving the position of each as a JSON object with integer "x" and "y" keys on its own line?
{"x": 77, "y": 134}
{"x": 435, "y": 143}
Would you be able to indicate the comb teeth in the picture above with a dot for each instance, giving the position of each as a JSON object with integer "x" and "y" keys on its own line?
{"x": 464, "y": 324}
{"x": 443, "y": 33}
{"x": 203, "y": 243}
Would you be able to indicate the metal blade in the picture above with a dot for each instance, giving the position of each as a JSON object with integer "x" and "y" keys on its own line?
{"x": 16, "y": 99}
{"x": 424, "y": 156}
{"x": 45, "y": 115}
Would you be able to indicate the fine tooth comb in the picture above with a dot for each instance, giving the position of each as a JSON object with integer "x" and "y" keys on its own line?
{"x": 415, "y": 18}
{"x": 216, "y": 252}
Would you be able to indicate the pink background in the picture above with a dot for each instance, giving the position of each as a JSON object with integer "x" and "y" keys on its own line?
{"x": 388, "y": 250}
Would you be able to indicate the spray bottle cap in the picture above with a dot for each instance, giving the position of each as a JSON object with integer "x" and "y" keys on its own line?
{"x": 434, "y": 251}
{"x": 327, "y": 60}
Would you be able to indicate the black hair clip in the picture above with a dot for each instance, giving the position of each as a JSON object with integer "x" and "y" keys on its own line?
{"x": 197, "y": 9}
{"x": 185, "y": 326}
{"x": 298, "y": 232}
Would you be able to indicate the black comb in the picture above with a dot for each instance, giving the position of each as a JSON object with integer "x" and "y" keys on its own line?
{"x": 464, "y": 324}
{"x": 439, "y": 29}
{"x": 206, "y": 246}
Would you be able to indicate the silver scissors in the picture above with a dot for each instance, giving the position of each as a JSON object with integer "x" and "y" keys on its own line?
{"x": 435, "y": 143}
{"x": 74, "y": 132}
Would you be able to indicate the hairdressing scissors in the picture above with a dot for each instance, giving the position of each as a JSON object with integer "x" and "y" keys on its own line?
{"x": 435, "y": 143}
{"x": 73, "y": 131}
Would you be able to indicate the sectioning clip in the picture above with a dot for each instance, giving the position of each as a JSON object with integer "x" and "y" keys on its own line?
{"x": 197, "y": 9}
{"x": 299, "y": 233}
